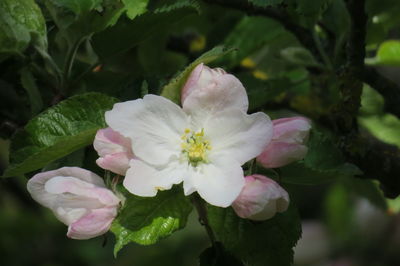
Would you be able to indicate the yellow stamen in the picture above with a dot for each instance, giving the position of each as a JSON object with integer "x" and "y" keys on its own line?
{"x": 195, "y": 147}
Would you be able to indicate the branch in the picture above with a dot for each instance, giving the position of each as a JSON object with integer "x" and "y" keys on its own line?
{"x": 387, "y": 88}
{"x": 351, "y": 84}
{"x": 303, "y": 35}
{"x": 380, "y": 161}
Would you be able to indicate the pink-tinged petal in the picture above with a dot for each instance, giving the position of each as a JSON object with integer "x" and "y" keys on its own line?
{"x": 191, "y": 82}
{"x": 260, "y": 199}
{"x": 154, "y": 124}
{"x": 145, "y": 180}
{"x": 279, "y": 154}
{"x": 117, "y": 162}
{"x": 219, "y": 93}
{"x": 72, "y": 194}
{"x": 94, "y": 223}
{"x": 36, "y": 185}
{"x": 234, "y": 134}
{"x": 74, "y": 186}
{"x": 291, "y": 129}
{"x": 218, "y": 183}
{"x": 108, "y": 141}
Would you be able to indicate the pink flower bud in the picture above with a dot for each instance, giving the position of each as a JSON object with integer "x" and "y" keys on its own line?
{"x": 213, "y": 90}
{"x": 260, "y": 198}
{"x": 114, "y": 150}
{"x": 78, "y": 198}
{"x": 287, "y": 145}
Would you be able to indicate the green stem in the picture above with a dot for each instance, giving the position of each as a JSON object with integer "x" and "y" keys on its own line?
{"x": 200, "y": 206}
{"x": 71, "y": 59}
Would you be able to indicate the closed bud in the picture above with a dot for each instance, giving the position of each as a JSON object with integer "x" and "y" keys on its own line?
{"x": 288, "y": 142}
{"x": 260, "y": 199}
{"x": 78, "y": 198}
{"x": 212, "y": 89}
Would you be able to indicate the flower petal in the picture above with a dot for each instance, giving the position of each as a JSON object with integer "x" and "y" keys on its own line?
{"x": 36, "y": 185}
{"x": 291, "y": 129}
{"x": 72, "y": 188}
{"x": 219, "y": 183}
{"x": 145, "y": 180}
{"x": 108, "y": 141}
{"x": 237, "y": 135}
{"x": 95, "y": 223}
{"x": 279, "y": 154}
{"x": 117, "y": 162}
{"x": 154, "y": 125}
{"x": 220, "y": 93}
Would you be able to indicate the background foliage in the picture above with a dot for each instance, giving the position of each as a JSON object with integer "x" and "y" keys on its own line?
{"x": 64, "y": 62}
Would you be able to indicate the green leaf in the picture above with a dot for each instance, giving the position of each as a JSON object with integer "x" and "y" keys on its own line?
{"x": 265, "y": 3}
{"x": 78, "y": 6}
{"x": 146, "y": 220}
{"x": 119, "y": 38}
{"x": 388, "y": 54}
{"x": 324, "y": 162}
{"x": 172, "y": 90}
{"x": 247, "y": 39}
{"x": 299, "y": 56}
{"x": 257, "y": 243}
{"x": 135, "y": 8}
{"x": 169, "y": 5}
{"x": 21, "y": 21}
{"x": 385, "y": 127}
{"x": 60, "y": 130}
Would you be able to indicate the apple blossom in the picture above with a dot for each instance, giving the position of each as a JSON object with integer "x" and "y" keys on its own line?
{"x": 114, "y": 150}
{"x": 202, "y": 144}
{"x": 260, "y": 198}
{"x": 288, "y": 142}
{"x": 213, "y": 90}
{"x": 78, "y": 198}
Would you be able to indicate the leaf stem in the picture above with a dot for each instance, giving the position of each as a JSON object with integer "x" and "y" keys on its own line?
{"x": 71, "y": 58}
{"x": 201, "y": 209}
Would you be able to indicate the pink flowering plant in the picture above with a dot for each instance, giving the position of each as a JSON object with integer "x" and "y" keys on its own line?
{"x": 159, "y": 128}
{"x": 201, "y": 152}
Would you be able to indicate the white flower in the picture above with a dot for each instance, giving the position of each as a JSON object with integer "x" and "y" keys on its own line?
{"x": 204, "y": 144}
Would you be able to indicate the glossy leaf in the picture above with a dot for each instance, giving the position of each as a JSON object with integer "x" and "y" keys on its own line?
{"x": 257, "y": 243}
{"x": 146, "y": 220}
{"x": 21, "y": 21}
{"x": 55, "y": 133}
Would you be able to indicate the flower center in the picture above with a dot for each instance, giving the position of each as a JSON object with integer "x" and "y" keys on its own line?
{"x": 195, "y": 146}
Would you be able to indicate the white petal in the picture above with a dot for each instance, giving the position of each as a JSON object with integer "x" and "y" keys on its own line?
{"x": 145, "y": 180}
{"x": 219, "y": 183}
{"x": 153, "y": 124}
{"x": 73, "y": 192}
{"x": 224, "y": 92}
{"x": 239, "y": 136}
{"x": 69, "y": 215}
{"x": 36, "y": 185}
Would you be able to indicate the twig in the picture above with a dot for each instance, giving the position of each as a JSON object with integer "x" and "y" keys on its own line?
{"x": 203, "y": 218}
